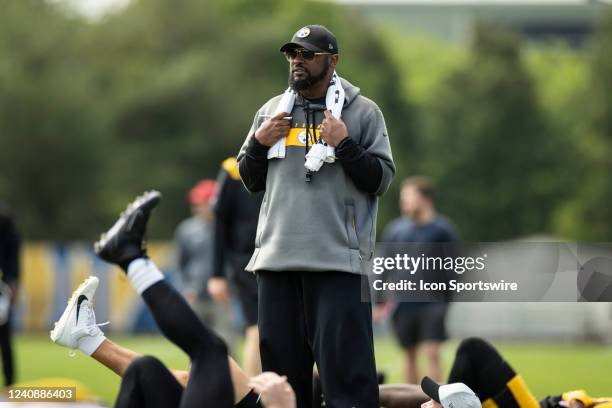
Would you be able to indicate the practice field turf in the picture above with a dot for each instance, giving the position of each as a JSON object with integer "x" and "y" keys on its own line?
{"x": 547, "y": 368}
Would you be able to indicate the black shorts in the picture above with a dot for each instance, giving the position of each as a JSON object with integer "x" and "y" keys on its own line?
{"x": 414, "y": 324}
{"x": 246, "y": 285}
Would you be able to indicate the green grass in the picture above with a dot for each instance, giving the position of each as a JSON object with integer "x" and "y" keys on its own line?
{"x": 38, "y": 357}
{"x": 547, "y": 368}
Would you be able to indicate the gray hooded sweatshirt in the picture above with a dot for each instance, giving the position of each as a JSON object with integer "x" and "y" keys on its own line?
{"x": 326, "y": 224}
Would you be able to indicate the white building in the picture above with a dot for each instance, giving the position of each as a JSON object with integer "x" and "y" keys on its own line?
{"x": 571, "y": 20}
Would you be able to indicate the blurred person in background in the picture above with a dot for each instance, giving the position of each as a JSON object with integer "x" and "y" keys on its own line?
{"x": 419, "y": 324}
{"x": 194, "y": 246}
{"x": 236, "y": 213}
{"x": 10, "y": 245}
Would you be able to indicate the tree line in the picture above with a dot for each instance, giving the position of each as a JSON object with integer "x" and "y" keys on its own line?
{"x": 157, "y": 95}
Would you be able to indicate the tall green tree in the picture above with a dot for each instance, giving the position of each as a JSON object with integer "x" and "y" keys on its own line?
{"x": 49, "y": 140}
{"x": 185, "y": 79}
{"x": 489, "y": 147}
{"x": 154, "y": 96}
{"x": 588, "y": 215}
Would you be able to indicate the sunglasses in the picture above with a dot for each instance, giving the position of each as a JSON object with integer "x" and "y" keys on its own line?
{"x": 305, "y": 54}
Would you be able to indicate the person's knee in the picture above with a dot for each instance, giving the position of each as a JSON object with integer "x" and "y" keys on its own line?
{"x": 252, "y": 332}
{"x": 432, "y": 351}
{"x": 210, "y": 343}
{"x": 475, "y": 347}
{"x": 472, "y": 345}
{"x": 141, "y": 365}
{"x": 411, "y": 352}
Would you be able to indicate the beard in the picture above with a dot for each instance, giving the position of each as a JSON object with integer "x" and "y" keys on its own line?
{"x": 302, "y": 84}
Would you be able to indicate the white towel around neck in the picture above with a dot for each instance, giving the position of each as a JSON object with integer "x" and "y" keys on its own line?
{"x": 321, "y": 152}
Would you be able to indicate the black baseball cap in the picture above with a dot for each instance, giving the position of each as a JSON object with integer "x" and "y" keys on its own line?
{"x": 431, "y": 388}
{"x": 455, "y": 395}
{"x": 314, "y": 38}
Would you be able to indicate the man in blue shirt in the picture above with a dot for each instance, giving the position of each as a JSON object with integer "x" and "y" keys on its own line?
{"x": 419, "y": 324}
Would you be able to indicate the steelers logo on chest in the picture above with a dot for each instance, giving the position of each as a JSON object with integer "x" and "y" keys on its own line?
{"x": 302, "y": 137}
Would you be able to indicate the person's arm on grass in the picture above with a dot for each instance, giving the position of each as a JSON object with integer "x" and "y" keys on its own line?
{"x": 401, "y": 396}
{"x": 117, "y": 359}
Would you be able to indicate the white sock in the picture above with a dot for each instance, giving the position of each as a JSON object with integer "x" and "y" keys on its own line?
{"x": 89, "y": 344}
{"x": 143, "y": 273}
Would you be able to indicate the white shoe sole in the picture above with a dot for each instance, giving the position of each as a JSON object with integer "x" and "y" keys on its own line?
{"x": 59, "y": 334}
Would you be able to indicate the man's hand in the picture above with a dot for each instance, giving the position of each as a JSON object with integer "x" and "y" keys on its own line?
{"x": 274, "y": 390}
{"x": 382, "y": 312}
{"x": 14, "y": 293}
{"x": 273, "y": 129}
{"x": 191, "y": 296}
{"x": 333, "y": 130}
{"x": 576, "y": 404}
{"x": 431, "y": 404}
{"x": 219, "y": 290}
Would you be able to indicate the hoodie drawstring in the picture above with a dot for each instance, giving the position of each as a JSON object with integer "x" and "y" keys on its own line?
{"x": 307, "y": 114}
{"x": 311, "y": 109}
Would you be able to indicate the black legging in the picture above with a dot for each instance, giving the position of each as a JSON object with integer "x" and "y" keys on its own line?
{"x": 480, "y": 366}
{"x": 147, "y": 383}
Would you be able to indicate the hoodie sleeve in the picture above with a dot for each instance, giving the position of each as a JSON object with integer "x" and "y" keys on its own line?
{"x": 223, "y": 210}
{"x": 253, "y": 161}
{"x": 369, "y": 163}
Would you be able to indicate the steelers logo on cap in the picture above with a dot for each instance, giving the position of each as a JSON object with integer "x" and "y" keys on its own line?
{"x": 303, "y": 33}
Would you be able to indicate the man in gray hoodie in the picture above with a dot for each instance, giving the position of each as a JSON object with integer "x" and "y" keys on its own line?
{"x": 316, "y": 229}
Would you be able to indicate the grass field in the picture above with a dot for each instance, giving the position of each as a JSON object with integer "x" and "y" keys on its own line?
{"x": 547, "y": 368}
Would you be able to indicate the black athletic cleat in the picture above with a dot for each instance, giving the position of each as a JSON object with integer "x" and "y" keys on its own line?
{"x": 125, "y": 241}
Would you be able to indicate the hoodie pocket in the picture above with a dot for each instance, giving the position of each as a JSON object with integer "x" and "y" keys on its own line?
{"x": 263, "y": 218}
{"x": 350, "y": 224}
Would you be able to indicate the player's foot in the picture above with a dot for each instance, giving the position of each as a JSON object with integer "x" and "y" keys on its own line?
{"x": 125, "y": 241}
{"x": 77, "y": 328}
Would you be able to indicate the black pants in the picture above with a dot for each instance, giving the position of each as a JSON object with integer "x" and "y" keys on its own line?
{"x": 480, "y": 366}
{"x": 148, "y": 383}
{"x": 6, "y": 346}
{"x": 307, "y": 317}
{"x": 246, "y": 285}
{"x": 146, "y": 379}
